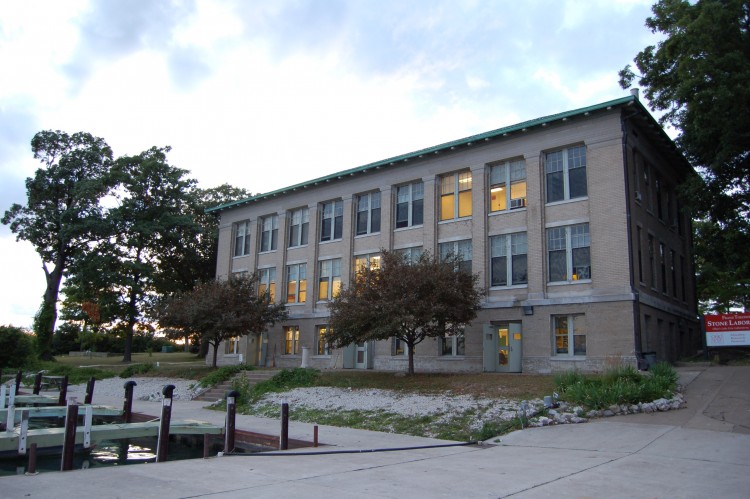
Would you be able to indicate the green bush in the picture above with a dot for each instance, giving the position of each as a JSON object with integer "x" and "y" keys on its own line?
{"x": 16, "y": 347}
{"x": 286, "y": 379}
{"x": 223, "y": 373}
{"x": 136, "y": 369}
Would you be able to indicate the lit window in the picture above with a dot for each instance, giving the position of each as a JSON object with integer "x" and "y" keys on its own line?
{"x": 329, "y": 282}
{"x": 323, "y": 347}
{"x": 569, "y": 335}
{"x": 242, "y": 239}
{"x": 455, "y": 196}
{"x": 399, "y": 347}
{"x": 368, "y": 213}
{"x": 296, "y": 283}
{"x": 270, "y": 233}
{"x": 332, "y": 221}
{"x": 291, "y": 340}
{"x": 267, "y": 282}
{"x": 409, "y": 205}
{"x": 232, "y": 346}
{"x": 569, "y": 253}
{"x": 502, "y": 197}
{"x": 363, "y": 262}
{"x": 462, "y": 249}
{"x": 298, "y": 226}
{"x": 508, "y": 257}
{"x": 566, "y": 174}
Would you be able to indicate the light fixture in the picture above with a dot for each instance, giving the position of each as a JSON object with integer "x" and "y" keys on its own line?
{"x": 528, "y": 310}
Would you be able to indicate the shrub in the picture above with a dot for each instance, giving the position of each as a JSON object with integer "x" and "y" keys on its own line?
{"x": 223, "y": 373}
{"x": 285, "y": 380}
{"x": 135, "y": 369}
{"x": 16, "y": 347}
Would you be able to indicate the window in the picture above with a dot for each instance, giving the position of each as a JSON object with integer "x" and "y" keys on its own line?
{"x": 329, "y": 280}
{"x": 455, "y": 196}
{"x": 323, "y": 347}
{"x": 242, "y": 239}
{"x": 658, "y": 185}
{"x": 460, "y": 248}
{"x": 270, "y": 233}
{"x": 409, "y": 205}
{"x": 267, "y": 282}
{"x": 672, "y": 265}
{"x": 651, "y": 260}
{"x": 332, "y": 221}
{"x": 570, "y": 335}
{"x": 513, "y": 174}
{"x": 569, "y": 253}
{"x": 663, "y": 264}
{"x": 411, "y": 255}
{"x": 399, "y": 347}
{"x": 296, "y": 283}
{"x": 452, "y": 345}
{"x": 368, "y": 213}
{"x": 566, "y": 174}
{"x": 640, "y": 254}
{"x": 362, "y": 262}
{"x": 232, "y": 346}
{"x": 501, "y": 266}
{"x": 682, "y": 278}
{"x": 298, "y": 226}
{"x": 291, "y": 340}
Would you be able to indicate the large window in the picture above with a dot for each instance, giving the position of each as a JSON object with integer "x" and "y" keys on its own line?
{"x": 569, "y": 335}
{"x": 291, "y": 340}
{"x": 329, "y": 280}
{"x": 411, "y": 255}
{"x": 323, "y": 347}
{"x": 296, "y": 283}
{"x": 299, "y": 221}
{"x": 232, "y": 346}
{"x": 267, "y": 282}
{"x": 566, "y": 174}
{"x": 452, "y": 345}
{"x": 455, "y": 196}
{"x": 508, "y": 186}
{"x": 242, "y": 239}
{"x": 270, "y": 233}
{"x": 409, "y": 205}
{"x": 332, "y": 221}
{"x": 652, "y": 260}
{"x": 368, "y": 213}
{"x": 462, "y": 249}
{"x": 569, "y": 253}
{"x": 508, "y": 259}
{"x": 362, "y": 262}
{"x": 663, "y": 265}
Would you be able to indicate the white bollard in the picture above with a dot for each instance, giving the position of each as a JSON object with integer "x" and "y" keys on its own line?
{"x": 3, "y": 394}
{"x": 87, "y": 420}
{"x": 305, "y": 357}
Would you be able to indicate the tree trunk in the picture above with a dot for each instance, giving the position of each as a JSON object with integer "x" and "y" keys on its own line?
{"x": 132, "y": 315}
{"x": 216, "y": 351}
{"x": 411, "y": 359}
{"x": 44, "y": 323}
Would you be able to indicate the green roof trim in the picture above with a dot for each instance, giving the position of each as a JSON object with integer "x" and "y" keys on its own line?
{"x": 441, "y": 147}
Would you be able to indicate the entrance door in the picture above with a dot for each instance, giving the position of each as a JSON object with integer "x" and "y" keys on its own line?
{"x": 360, "y": 361}
{"x": 502, "y": 347}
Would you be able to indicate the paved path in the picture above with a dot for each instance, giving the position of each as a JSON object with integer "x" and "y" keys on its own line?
{"x": 702, "y": 451}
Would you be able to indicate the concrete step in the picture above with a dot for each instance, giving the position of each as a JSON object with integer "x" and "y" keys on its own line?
{"x": 219, "y": 391}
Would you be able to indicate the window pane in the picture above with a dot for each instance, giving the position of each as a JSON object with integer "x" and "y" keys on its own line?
{"x": 447, "y": 207}
{"x": 361, "y": 223}
{"x": 498, "y": 174}
{"x": 560, "y": 325}
{"x": 464, "y": 203}
{"x": 375, "y": 220}
{"x": 555, "y": 187}
{"x": 518, "y": 190}
{"x": 581, "y": 263}
{"x": 417, "y": 212}
{"x": 498, "y": 198}
{"x": 323, "y": 288}
{"x": 500, "y": 271}
{"x": 557, "y": 266}
{"x": 519, "y": 269}
{"x": 303, "y": 235}
{"x": 460, "y": 345}
{"x": 402, "y": 215}
{"x": 577, "y": 182}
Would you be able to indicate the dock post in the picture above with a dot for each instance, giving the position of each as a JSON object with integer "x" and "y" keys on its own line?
{"x": 63, "y": 391}
{"x": 3, "y": 393}
{"x": 19, "y": 377}
{"x": 89, "y": 391}
{"x": 38, "y": 383}
{"x": 88, "y": 420}
{"x": 284, "y": 437}
{"x": 162, "y": 446}
{"x": 24, "y": 432}
{"x": 11, "y": 419}
{"x": 127, "y": 408}
{"x": 69, "y": 442}
{"x": 315, "y": 436}
{"x": 206, "y": 445}
{"x": 229, "y": 426}
{"x": 32, "y": 460}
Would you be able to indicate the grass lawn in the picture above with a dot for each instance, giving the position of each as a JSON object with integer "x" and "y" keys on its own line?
{"x": 171, "y": 365}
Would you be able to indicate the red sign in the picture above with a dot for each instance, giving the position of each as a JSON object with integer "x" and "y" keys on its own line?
{"x": 725, "y": 330}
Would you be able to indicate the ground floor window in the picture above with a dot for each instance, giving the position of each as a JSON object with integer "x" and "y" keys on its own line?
{"x": 569, "y": 334}
{"x": 323, "y": 346}
{"x": 291, "y": 340}
{"x": 452, "y": 345}
{"x": 232, "y": 345}
{"x": 399, "y": 347}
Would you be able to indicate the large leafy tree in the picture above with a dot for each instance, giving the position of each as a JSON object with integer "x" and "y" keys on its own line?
{"x": 217, "y": 310}
{"x": 429, "y": 298}
{"x": 63, "y": 214}
{"x": 697, "y": 76}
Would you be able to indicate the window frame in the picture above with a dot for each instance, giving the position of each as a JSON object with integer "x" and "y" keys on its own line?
{"x": 506, "y": 184}
{"x": 372, "y": 261}
{"x": 454, "y": 194}
{"x": 232, "y": 346}
{"x": 243, "y": 248}
{"x": 511, "y": 245}
{"x": 331, "y": 220}
{"x": 329, "y": 273}
{"x": 569, "y": 336}
{"x": 301, "y": 237}
{"x": 409, "y": 203}
{"x": 322, "y": 348}
{"x": 291, "y": 340}
{"x": 370, "y": 215}
{"x": 269, "y": 233}
{"x": 267, "y": 282}
{"x": 572, "y": 244}
{"x": 461, "y": 248}
{"x": 411, "y": 254}
{"x": 300, "y": 282}
{"x": 565, "y": 173}
{"x": 456, "y": 348}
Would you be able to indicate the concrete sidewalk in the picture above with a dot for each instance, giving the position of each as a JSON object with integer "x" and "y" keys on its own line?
{"x": 701, "y": 451}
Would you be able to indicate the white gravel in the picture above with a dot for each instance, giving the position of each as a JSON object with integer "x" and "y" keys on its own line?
{"x": 145, "y": 389}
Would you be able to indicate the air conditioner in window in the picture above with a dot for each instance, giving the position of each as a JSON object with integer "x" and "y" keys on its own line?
{"x": 638, "y": 196}
{"x": 517, "y": 203}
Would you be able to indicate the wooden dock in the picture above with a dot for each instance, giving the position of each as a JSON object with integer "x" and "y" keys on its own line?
{"x": 56, "y": 411}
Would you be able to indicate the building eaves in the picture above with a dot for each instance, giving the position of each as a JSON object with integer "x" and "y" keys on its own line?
{"x": 447, "y": 146}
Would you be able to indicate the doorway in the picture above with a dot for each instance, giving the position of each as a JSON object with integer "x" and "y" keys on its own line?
{"x": 502, "y": 347}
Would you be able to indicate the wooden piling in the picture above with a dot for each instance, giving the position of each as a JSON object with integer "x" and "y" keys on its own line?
{"x": 127, "y": 408}
{"x": 90, "y": 390}
{"x": 230, "y": 419}
{"x": 69, "y": 441}
{"x": 162, "y": 446}
{"x": 284, "y": 437}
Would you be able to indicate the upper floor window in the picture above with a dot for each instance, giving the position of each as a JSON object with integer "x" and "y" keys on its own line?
{"x": 460, "y": 248}
{"x": 566, "y": 174}
{"x": 368, "y": 213}
{"x": 267, "y": 282}
{"x": 269, "y": 233}
{"x": 299, "y": 220}
{"x": 242, "y": 239}
{"x": 508, "y": 259}
{"x": 508, "y": 186}
{"x": 455, "y": 196}
{"x": 332, "y": 221}
{"x": 329, "y": 280}
{"x": 409, "y": 205}
{"x": 296, "y": 283}
{"x": 363, "y": 262}
{"x": 411, "y": 255}
{"x": 569, "y": 253}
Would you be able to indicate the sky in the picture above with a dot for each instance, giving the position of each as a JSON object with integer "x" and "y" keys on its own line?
{"x": 265, "y": 94}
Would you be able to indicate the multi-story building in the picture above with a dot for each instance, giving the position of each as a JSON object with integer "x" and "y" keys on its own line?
{"x": 571, "y": 221}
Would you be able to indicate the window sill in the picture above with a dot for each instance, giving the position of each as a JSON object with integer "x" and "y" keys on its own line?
{"x": 451, "y": 358}
{"x": 360, "y": 236}
{"x": 301, "y": 304}
{"x": 291, "y": 355}
{"x": 505, "y": 212}
{"x": 568, "y": 358}
{"x": 400, "y": 229}
{"x": 567, "y": 201}
{"x": 297, "y": 247}
{"x": 565, "y": 283}
{"x": 512, "y": 286}
{"x": 240, "y": 256}
{"x": 331, "y": 241}
{"x": 266, "y": 252}
{"x": 451, "y": 220}
{"x": 324, "y": 356}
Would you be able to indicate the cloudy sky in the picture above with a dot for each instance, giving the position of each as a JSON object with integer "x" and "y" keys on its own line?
{"x": 263, "y": 94}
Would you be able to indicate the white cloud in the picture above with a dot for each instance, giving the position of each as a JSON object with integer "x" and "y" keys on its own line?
{"x": 22, "y": 281}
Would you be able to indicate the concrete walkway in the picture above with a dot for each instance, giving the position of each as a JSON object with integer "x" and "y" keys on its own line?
{"x": 701, "y": 451}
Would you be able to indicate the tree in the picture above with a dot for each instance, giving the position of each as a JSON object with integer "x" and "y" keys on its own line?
{"x": 430, "y": 298}
{"x": 697, "y": 76}
{"x": 16, "y": 347}
{"x": 63, "y": 212}
{"x": 220, "y": 309}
